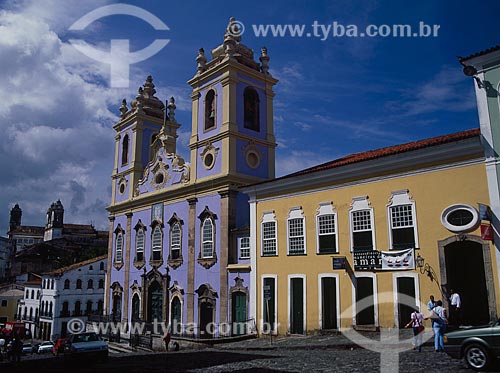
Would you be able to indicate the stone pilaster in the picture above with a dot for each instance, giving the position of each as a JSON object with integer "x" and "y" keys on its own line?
{"x": 107, "y": 285}
{"x": 191, "y": 259}
{"x": 126, "y": 285}
{"x": 227, "y": 223}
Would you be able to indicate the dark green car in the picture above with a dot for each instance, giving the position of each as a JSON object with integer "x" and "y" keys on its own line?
{"x": 478, "y": 345}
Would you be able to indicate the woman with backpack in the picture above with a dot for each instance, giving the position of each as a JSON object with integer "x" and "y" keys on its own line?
{"x": 417, "y": 323}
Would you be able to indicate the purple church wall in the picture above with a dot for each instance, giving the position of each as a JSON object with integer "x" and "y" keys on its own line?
{"x": 124, "y": 166}
{"x": 262, "y": 134}
{"x": 202, "y": 133}
{"x": 201, "y": 171}
{"x": 242, "y": 166}
{"x": 119, "y": 197}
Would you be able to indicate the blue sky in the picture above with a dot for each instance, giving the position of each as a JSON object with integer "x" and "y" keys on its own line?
{"x": 335, "y": 96}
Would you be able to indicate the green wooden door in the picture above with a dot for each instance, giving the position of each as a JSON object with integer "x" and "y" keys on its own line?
{"x": 239, "y": 313}
{"x": 297, "y": 306}
{"x": 155, "y": 301}
{"x": 329, "y": 303}
{"x": 176, "y": 316}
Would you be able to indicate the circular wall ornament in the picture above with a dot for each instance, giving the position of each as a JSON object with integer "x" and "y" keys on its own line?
{"x": 460, "y": 218}
{"x": 208, "y": 156}
{"x": 253, "y": 159}
{"x": 122, "y": 186}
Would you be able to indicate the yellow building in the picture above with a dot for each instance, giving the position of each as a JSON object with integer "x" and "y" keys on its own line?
{"x": 10, "y": 296}
{"x": 385, "y": 226}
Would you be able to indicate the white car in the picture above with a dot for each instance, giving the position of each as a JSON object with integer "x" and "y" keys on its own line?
{"x": 46, "y": 346}
{"x": 86, "y": 344}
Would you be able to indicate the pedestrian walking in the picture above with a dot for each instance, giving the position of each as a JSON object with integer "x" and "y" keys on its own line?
{"x": 431, "y": 303}
{"x": 455, "y": 309}
{"x": 17, "y": 349}
{"x": 417, "y": 323}
{"x": 439, "y": 320}
{"x": 166, "y": 339}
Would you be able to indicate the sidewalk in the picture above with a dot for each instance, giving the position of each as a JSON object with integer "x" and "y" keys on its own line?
{"x": 320, "y": 341}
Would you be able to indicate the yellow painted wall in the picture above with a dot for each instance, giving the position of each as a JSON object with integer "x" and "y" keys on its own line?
{"x": 432, "y": 192}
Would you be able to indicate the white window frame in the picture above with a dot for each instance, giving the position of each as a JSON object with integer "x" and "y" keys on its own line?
{"x": 176, "y": 246}
{"x": 321, "y": 276}
{"x": 327, "y": 208}
{"x": 139, "y": 249}
{"x": 361, "y": 203}
{"x": 304, "y": 297}
{"x": 206, "y": 240}
{"x": 295, "y": 214}
{"x": 400, "y": 198}
{"x": 244, "y": 249}
{"x": 263, "y": 303}
{"x": 119, "y": 248}
{"x": 156, "y": 248}
{"x": 417, "y": 304}
{"x": 375, "y": 296}
{"x": 269, "y": 217}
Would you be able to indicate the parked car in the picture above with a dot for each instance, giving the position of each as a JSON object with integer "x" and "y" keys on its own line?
{"x": 27, "y": 348}
{"x": 479, "y": 345}
{"x": 59, "y": 346}
{"x": 86, "y": 344}
{"x": 44, "y": 347}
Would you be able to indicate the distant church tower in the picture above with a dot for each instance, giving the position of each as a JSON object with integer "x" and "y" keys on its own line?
{"x": 55, "y": 221}
{"x": 15, "y": 217}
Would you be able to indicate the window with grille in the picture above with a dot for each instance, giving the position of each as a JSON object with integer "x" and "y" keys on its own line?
{"x": 139, "y": 245}
{"x": 156, "y": 244}
{"x": 175, "y": 241}
{"x": 119, "y": 248}
{"x": 327, "y": 240}
{"x": 402, "y": 227}
{"x": 362, "y": 234}
{"x": 296, "y": 236}
{"x": 244, "y": 247}
{"x": 207, "y": 249}
{"x": 269, "y": 243}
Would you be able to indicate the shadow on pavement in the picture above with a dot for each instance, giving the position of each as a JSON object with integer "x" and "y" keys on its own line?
{"x": 160, "y": 362}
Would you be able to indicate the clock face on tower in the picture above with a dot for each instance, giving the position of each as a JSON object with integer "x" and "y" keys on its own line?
{"x": 157, "y": 212}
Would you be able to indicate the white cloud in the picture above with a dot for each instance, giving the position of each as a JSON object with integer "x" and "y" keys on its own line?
{"x": 295, "y": 160}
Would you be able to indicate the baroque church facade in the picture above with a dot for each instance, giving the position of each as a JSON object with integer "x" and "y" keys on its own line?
{"x": 179, "y": 248}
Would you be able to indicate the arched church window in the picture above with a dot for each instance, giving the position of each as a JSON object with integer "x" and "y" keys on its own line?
{"x": 251, "y": 109}
{"x": 156, "y": 244}
{"x": 207, "y": 239}
{"x": 210, "y": 110}
{"x": 125, "y": 150}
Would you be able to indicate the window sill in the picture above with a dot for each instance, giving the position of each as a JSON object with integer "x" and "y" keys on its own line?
{"x": 156, "y": 263}
{"x": 175, "y": 263}
{"x": 207, "y": 262}
{"x": 297, "y": 254}
{"x": 327, "y": 252}
{"x": 139, "y": 264}
{"x": 118, "y": 265}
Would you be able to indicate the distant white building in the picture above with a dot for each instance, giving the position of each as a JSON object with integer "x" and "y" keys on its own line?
{"x": 29, "y": 306}
{"x": 4, "y": 255}
{"x": 76, "y": 291}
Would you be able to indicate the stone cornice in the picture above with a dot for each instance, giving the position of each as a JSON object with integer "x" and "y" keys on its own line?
{"x": 182, "y": 192}
{"x": 229, "y": 133}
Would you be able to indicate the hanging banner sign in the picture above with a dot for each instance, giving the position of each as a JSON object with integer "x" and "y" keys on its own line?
{"x": 486, "y": 232}
{"x": 398, "y": 260}
{"x": 367, "y": 260}
{"x": 384, "y": 260}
